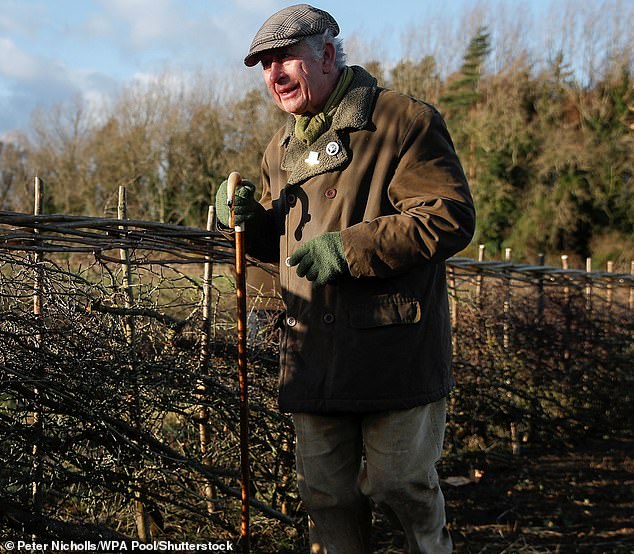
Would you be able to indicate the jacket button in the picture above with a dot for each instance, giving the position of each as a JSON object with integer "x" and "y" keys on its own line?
{"x": 292, "y": 199}
{"x": 328, "y": 318}
{"x": 291, "y": 321}
{"x": 330, "y": 193}
{"x": 287, "y": 262}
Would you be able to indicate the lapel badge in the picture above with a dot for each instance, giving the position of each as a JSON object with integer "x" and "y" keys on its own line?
{"x": 332, "y": 148}
{"x": 313, "y": 158}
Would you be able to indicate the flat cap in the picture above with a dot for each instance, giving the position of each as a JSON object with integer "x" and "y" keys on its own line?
{"x": 289, "y": 26}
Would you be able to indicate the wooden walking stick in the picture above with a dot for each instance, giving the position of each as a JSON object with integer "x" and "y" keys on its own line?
{"x": 241, "y": 295}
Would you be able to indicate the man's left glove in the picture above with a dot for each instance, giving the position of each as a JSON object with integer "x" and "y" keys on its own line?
{"x": 321, "y": 260}
{"x": 245, "y": 206}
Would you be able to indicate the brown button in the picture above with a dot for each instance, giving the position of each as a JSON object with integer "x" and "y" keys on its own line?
{"x": 328, "y": 318}
{"x": 330, "y": 193}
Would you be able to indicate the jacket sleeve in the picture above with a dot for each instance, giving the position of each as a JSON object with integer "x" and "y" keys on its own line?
{"x": 263, "y": 240}
{"x": 434, "y": 213}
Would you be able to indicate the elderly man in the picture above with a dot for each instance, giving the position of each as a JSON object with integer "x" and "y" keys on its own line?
{"x": 363, "y": 200}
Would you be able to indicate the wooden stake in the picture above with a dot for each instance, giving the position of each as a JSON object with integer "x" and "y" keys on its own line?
{"x": 566, "y": 352}
{"x": 38, "y": 302}
{"x": 588, "y": 284}
{"x": 141, "y": 517}
{"x": 564, "y": 266}
{"x": 507, "y": 303}
{"x": 479, "y": 278}
{"x": 540, "y": 289}
{"x": 203, "y": 411}
{"x": 122, "y": 213}
{"x": 453, "y": 295}
{"x": 37, "y": 210}
{"x": 631, "y": 287}
{"x": 610, "y": 267}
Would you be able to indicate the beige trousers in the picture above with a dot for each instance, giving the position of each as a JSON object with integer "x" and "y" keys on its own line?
{"x": 389, "y": 457}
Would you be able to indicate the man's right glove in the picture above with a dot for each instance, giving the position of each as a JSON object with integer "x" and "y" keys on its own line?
{"x": 245, "y": 206}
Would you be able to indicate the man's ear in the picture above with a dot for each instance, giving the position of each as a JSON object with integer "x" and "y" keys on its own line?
{"x": 330, "y": 57}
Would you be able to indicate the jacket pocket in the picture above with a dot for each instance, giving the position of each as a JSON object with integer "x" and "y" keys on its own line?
{"x": 384, "y": 310}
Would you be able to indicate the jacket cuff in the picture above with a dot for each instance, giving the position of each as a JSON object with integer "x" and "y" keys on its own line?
{"x": 353, "y": 240}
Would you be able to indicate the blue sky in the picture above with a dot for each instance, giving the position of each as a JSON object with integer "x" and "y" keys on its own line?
{"x": 54, "y": 50}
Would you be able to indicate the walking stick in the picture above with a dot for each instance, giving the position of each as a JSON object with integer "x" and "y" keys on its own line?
{"x": 241, "y": 295}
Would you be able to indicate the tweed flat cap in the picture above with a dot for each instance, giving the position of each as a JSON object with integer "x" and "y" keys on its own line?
{"x": 289, "y": 26}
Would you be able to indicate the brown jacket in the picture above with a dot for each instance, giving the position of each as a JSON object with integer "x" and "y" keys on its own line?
{"x": 389, "y": 179}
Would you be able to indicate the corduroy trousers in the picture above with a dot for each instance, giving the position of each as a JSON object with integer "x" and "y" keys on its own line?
{"x": 345, "y": 461}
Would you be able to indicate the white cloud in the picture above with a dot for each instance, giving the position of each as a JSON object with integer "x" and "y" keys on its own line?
{"x": 144, "y": 22}
{"x": 8, "y": 24}
{"x": 16, "y": 64}
{"x": 29, "y": 81}
{"x": 149, "y": 20}
{"x": 18, "y": 16}
{"x": 97, "y": 25}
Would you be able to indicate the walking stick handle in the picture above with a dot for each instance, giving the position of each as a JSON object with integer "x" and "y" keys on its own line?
{"x": 233, "y": 182}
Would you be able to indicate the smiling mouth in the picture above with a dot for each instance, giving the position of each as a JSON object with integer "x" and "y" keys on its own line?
{"x": 288, "y": 91}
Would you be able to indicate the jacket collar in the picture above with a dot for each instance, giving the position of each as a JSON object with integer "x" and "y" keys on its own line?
{"x": 353, "y": 114}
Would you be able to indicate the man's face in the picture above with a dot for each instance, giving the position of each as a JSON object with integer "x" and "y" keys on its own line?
{"x": 298, "y": 81}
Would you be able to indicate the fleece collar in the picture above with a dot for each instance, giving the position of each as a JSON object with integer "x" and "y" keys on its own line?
{"x": 330, "y": 151}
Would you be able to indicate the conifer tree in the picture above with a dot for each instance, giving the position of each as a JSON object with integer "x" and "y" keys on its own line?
{"x": 464, "y": 92}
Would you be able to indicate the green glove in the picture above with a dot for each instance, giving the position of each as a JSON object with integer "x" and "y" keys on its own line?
{"x": 244, "y": 204}
{"x": 321, "y": 259}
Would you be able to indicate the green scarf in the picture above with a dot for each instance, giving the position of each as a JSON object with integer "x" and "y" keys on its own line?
{"x": 309, "y": 128}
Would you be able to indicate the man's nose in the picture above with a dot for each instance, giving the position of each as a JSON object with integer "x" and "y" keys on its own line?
{"x": 275, "y": 72}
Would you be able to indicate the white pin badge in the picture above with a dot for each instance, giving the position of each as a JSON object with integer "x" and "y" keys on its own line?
{"x": 313, "y": 158}
{"x": 332, "y": 148}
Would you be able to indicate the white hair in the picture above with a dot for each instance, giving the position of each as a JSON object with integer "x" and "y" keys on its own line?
{"x": 317, "y": 43}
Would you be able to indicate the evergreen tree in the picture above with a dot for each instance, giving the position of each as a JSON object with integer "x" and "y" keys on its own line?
{"x": 464, "y": 92}
{"x": 460, "y": 104}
